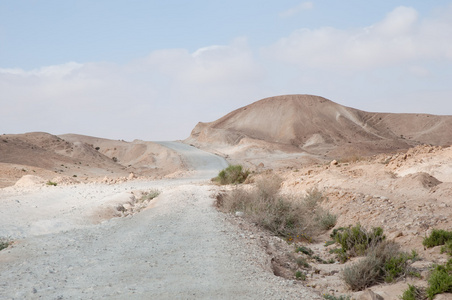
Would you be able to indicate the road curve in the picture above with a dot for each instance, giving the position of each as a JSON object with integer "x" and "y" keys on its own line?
{"x": 206, "y": 165}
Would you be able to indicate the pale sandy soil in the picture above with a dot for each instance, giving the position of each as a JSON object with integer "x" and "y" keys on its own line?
{"x": 178, "y": 248}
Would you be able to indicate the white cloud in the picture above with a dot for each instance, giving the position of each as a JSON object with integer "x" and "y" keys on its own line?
{"x": 295, "y": 10}
{"x": 400, "y": 37}
{"x": 161, "y": 96}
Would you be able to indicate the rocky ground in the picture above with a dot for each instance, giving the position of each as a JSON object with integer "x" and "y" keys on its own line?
{"x": 407, "y": 194}
{"x": 71, "y": 240}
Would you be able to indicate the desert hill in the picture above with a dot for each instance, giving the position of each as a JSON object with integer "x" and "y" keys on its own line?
{"x": 317, "y": 127}
{"x": 78, "y": 157}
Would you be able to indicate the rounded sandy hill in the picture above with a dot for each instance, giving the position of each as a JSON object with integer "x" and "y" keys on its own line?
{"x": 319, "y": 127}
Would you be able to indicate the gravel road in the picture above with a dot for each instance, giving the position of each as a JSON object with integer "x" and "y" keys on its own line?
{"x": 179, "y": 248}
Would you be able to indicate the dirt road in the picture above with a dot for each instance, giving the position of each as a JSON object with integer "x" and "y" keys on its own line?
{"x": 180, "y": 248}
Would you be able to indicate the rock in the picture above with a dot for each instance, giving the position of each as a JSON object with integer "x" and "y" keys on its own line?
{"x": 369, "y": 295}
{"x": 334, "y": 163}
{"x": 395, "y": 235}
{"x": 131, "y": 176}
{"x": 239, "y": 213}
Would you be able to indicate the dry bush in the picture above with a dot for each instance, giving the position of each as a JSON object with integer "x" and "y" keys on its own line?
{"x": 384, "y": 262}
{"x": 285, "y": 216}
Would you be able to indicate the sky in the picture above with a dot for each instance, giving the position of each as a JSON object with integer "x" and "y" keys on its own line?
{"x": 152, "y": 70}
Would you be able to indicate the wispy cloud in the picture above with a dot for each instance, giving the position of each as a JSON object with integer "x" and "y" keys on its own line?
{"x": 400, "y": 37}
{"x": 295, "y": 10}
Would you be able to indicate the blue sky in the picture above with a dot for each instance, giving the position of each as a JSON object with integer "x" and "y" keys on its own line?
{"x": 152, "y": 69}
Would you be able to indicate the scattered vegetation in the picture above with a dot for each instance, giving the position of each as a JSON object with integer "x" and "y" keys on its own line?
{"x": 285, "y": 216}
{"x": 355, "y": 241}
{"x": 300, "y": 276}
{"x": 440, "y": 280}
{"x": 301, "y": 262}
{"x": 414, "y": 293}
{"x": 150, "y": 195}
{"x": 51, "y": 183}
{"x": 304, "y": 250}
{"x": 234, "y": 174}
{"x": 437, "y": 237}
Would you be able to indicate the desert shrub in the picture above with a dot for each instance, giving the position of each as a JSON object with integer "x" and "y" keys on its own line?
{"x": 413, "y": 293}
{"x": 284, "y": 216}
{"x": 234, "y": 174}
{"x": 51, "y": 183}
{"x": 302, "y": 262}
{"x": 268, "y": 186}
{"x": 313, "y": 198}
{"x": 447, "y": 248}
{"x": 327, "y": 220}
{"x": 150, "y": 195}
{"x": 363, "y": 274}
{"x": 329, "y": 243}
{"x": 383, "y": 263}
{"x": 440, "y": 280}
{"x": 300, "y": 276}
{"x": 356, "y": 240}
{"x": 305, "y": 250}
{"x": 4, "y": 243}
{"x": 437, "y": 237}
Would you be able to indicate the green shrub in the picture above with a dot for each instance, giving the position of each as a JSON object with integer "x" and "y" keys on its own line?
{"x": 304, "y": 250}
{"x": 51, "y": 183}
{"x": 300, "y": 276}
{"x": 234, "y": 174}
{"x": 356, "y": 240}
{"x": 440, "y": 280}
{"x": 328, "y": 243}
{"x": 437, "y": 237}
{"x": 413, "y": 293}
